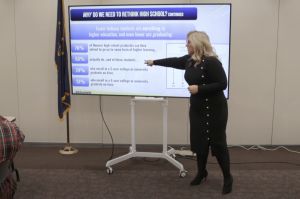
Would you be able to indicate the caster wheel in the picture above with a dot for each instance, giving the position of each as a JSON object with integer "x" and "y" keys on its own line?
{"x": 182, "y": 174}
{"x": 109, "y": 170}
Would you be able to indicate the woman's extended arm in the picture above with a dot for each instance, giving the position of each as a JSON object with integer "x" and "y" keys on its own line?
{"x": 174, "y": 62}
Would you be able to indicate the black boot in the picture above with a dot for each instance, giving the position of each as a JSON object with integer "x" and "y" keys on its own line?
{"x": 224, "y": 162}
{"x": 202, "y": 172}
{"x": 227, "y": 187}
{"x": 199, "y": 177}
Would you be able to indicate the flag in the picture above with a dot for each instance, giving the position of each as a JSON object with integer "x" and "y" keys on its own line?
{"x": 61, "y": 61}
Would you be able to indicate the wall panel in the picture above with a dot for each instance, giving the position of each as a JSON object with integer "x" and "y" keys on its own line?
{"x": 287, "y": 103}
{"x": 8, "y": 65}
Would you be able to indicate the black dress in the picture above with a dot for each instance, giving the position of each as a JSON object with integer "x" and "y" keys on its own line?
{"x": 208, "y": 108}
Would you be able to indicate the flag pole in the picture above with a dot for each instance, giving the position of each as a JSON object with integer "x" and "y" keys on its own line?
{"x": 68, "y": 149}
{"x": 65, "y": 98}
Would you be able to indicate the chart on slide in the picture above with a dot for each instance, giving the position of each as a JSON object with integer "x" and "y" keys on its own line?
{"x": 175, "y": 77}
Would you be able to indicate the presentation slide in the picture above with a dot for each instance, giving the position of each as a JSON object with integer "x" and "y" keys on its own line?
{"x": 109, "y": 45}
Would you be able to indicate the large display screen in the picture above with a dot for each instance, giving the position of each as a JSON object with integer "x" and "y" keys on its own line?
{"x": 109, "y": 45}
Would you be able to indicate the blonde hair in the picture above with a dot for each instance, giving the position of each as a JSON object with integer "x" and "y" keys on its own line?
{"x": 201, "y": 44}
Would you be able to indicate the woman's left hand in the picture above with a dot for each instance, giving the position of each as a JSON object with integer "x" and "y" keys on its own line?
{"x": 193, "y": 89}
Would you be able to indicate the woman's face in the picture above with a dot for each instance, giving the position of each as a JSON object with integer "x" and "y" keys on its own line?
{"x": 189, "y": 47}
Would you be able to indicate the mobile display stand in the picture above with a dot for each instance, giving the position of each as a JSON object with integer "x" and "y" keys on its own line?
{"x": 166, "y": 154}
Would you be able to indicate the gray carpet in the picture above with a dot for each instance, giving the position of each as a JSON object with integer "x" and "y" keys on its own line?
{"x": 155, "y": 183}
{"x": 258, "y": 174}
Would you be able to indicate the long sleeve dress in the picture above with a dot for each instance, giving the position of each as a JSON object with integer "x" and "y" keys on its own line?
{"x": 208, "y": 108}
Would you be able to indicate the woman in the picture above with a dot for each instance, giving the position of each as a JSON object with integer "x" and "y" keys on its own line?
{"x": 208, "y": 106}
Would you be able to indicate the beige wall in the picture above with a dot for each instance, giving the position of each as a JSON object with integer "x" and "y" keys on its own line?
{"x": 263, "y": 83}
{"x": 8, "y": 64}
{"x": 286, "y": 126}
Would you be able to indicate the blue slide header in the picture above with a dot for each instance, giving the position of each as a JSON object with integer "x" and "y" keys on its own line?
{"x": 134, "y": 14}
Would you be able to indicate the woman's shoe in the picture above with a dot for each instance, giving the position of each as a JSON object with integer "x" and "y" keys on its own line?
{"x": 227, "y": 187}
{"x": 199, "y": 177}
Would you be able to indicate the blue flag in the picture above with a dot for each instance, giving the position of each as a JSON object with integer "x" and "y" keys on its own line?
{"x": 61, "y": 61}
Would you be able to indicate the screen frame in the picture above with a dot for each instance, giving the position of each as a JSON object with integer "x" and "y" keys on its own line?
{"x": 170, "y": 4}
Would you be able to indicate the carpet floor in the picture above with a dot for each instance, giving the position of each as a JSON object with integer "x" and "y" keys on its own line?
{"x": 46, "y": 174}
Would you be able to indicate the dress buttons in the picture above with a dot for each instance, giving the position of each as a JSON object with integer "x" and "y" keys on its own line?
{"x": 207, "y": 131}
{"x": 201, "y": 67}
{"x": 203, "y": 84}
{"x": 202, "y": 76}
{"x": 208, "y": 139}
{"x": 207, "y": 115}
{"x": 206, "y": 99}
{"x": 207, "y": 123}
{"x": 207, "y": 107}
